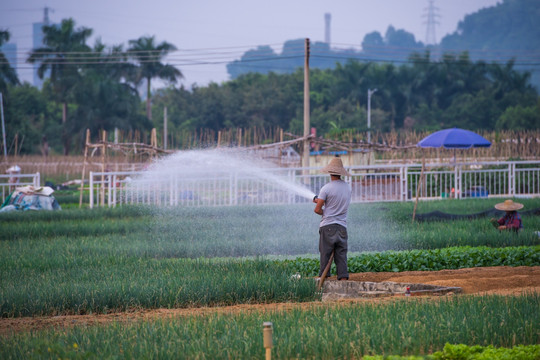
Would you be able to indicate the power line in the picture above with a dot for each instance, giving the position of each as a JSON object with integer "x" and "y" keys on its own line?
{"x": 224, "y": 55}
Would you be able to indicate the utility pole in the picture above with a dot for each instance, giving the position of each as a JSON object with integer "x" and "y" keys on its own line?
{"x": 305, "y": 157}
{"x": 369, "y": 93}
{"x": 3, "y": 127}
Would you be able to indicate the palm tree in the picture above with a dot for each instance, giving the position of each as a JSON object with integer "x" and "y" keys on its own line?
{"x": 149, "y": 56}
{"x": 104, "y": 98}
{"x": 7, "y": 73}
{"x": 63, "y": 46}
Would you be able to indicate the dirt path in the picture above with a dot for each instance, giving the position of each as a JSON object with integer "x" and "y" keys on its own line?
{"x": 493, "y": 280}
{"x": 489, "y": 280}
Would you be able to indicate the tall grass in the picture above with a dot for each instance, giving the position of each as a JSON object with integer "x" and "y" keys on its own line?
{"x": 49, "y": 283}
{"x": 405, "y": 327}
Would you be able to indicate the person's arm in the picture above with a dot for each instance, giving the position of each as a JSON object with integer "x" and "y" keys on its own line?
{"x": 501, "y": 222}
{"x": 514, "y": 224}
{"x": 319, "y": 206}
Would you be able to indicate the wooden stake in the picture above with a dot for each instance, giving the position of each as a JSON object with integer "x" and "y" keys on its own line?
{"x": 16, "y": 143}
{"x": 87, "y": 141}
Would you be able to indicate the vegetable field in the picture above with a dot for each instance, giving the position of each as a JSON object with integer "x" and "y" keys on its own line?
{"x": 134, "y": 259}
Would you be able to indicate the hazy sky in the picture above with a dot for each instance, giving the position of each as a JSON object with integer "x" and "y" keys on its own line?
{"x": 216, "y": 32}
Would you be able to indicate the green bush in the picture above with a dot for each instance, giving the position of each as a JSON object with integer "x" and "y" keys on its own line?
{"x": 465, "y": 352}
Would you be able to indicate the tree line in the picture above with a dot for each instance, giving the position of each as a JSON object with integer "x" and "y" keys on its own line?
{"x": 421, "y": 95}
{"x": 98, "y": 88}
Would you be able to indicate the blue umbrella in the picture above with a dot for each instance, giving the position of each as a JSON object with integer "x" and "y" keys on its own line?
{"x": 449, "y": 139}
{"x": 453, "y": 139}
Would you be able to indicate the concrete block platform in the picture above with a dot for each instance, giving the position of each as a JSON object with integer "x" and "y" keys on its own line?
{"x": 335, "y": 290}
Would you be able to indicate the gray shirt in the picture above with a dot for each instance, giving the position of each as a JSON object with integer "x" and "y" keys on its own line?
{"x": 337, "y": 197}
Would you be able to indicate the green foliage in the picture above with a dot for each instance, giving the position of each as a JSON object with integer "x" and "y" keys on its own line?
{"x": 427, "y": 260}
{"x": 8, "y": 75}
{"x": 464, "y": 352}
{"x": 453, "y": 91}
{"x": 28, "y": 106}
{"x": 397, "y": 357}
{"x": 519, "y": 117}
{"x": 329, "y": 331}
{"x": 494, "y": 30}
{"x": 68, "y": 46}
{"x": 149, "y": 55}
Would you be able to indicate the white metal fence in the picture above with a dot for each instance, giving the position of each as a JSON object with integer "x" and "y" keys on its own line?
{"x": 368, "y": 184}
{"x": 8, "y": 183}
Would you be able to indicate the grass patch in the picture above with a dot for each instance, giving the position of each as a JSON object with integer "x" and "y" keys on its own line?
{"x": 53, "y": 283}
{"x": 82, "y": 261}
{"x": 405, "y": 327}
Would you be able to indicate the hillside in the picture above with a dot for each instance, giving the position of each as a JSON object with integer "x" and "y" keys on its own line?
{"x": 509, "y": 30}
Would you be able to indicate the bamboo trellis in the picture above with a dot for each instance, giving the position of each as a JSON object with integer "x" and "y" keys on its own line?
{"x": 126, "y": 148}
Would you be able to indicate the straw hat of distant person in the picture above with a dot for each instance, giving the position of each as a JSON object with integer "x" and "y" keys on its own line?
{"x": 335, "y": 167}
{"x": 508, "y": 205}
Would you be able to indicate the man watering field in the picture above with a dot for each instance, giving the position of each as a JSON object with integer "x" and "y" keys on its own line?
{"x": 332, "y": 204}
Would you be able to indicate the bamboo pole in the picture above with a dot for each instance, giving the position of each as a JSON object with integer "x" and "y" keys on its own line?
{"x": 418, "y": 185}
{"x": 103, "y": 159}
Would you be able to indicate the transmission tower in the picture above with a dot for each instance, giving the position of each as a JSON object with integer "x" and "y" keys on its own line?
{"x": 431, "y": 13}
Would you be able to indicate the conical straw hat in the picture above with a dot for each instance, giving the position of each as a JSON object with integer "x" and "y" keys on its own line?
{"x": 335, "y": 167}
{"x": 508, "y": 205}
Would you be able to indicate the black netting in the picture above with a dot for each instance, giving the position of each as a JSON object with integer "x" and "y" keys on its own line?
{"x": 439, "y": 215}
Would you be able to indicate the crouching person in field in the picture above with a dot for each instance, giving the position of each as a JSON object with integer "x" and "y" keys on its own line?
{"x": 511, "y": 220}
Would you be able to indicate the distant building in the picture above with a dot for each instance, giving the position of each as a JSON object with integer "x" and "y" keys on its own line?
{"x": 327, "y": 20}
{"x": 10, "y": 52}
{"x": 37, "y": 42}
